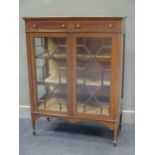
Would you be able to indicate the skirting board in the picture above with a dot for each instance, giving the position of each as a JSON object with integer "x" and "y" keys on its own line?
{"x": 128, "y": 115}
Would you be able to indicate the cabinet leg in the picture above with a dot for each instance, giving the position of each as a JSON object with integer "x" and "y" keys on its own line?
{"x": 48, "y": 118}
{"x": 120, "y": 122}
{"x": 115, "y": 135}
{"x": 33, "y": 127}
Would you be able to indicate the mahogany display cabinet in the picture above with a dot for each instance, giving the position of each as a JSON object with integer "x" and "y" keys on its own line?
{"x": 75, "y": 68}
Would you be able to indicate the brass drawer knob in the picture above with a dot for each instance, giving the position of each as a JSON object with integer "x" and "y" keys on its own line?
{"x": 78, "y": 25}
{"x": 34, "y": 25}
{"x": 110, "y": 25}
{"x": 63, "y": 25}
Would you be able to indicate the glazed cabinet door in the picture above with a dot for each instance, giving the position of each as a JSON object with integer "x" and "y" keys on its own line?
{"x": 49, "y": 62}
{"x": 94, "y": 74}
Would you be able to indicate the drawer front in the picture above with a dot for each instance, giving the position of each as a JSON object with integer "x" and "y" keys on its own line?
{"x": 47, "y": 25}
{"x": 97, "y": 26}
{"x": 71, "y": 26}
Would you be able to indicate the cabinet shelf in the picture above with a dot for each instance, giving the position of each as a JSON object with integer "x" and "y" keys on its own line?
{"x": 86, "y": 57}
{"x": 102, "y": 110}
{"x": 104, "y": 46}
{"x": 87, "y": 82}
{"x": 46, "y": 55}
{"x": 53, "y": 105}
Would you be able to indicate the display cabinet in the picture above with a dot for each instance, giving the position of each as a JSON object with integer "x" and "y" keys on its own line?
{"x": 76, "y": 68}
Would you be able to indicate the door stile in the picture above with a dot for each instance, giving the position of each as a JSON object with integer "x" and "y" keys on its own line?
{"x": 30, "y": 71}
{"x": 71, "y": 74}
{"x": 33, "y": 64}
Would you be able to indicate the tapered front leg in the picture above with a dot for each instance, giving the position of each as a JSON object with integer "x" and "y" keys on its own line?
{"x": 33, "y": 126}
{"x": 115, "y": 134}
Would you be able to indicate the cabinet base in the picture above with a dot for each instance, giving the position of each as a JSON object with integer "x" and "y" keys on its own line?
{"x": 112, "y": 124}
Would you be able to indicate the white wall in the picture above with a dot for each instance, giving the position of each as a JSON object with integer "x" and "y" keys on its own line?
{"x": 81, "y": 8}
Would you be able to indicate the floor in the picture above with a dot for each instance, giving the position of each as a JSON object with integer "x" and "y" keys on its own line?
{"x": 58, "y": 137}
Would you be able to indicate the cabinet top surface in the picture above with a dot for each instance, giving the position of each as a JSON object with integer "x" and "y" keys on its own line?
{"x": 69, "y": 17}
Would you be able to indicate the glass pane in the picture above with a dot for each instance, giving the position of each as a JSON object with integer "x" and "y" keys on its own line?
{"x": 93, "y": 75}
{"x": 51, "y": 70}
